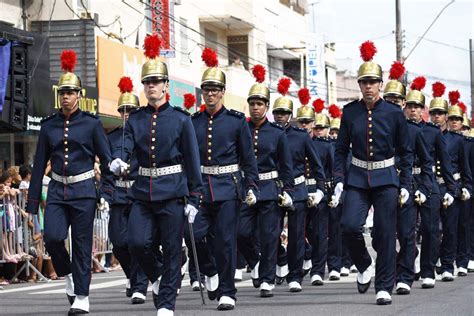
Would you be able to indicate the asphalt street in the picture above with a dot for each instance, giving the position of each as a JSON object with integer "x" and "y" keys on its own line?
{"x": 107, "y": 297}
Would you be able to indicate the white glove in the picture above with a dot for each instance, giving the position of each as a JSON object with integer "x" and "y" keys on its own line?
{"x": 404, "y": 195}
{"x": 251, "y": 199}
{"x": 315, "y": 198}
{"x": 447, "y": 199}
{"x": 190, "y": 211}
{"x": 118, "y": 167}
{"x": 465, "y": 194}
{"x": 285, "y": 200}
{"x": 420, "y": 197}
{"x": 104, "y": 208}
{"x": 336, "y": 197}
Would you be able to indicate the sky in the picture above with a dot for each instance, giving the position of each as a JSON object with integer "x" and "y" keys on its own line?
{"x": 348, "y": 23}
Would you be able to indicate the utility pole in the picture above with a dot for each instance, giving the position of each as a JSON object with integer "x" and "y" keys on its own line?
{"x": 471, "y": 62}
{"x": 398, "y": 31}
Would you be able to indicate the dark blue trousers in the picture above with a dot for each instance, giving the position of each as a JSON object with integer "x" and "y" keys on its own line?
{"x": 429, "y": 226}
{"x": 220, "y": 220}
{"x": 296, "y": 236}
{"x": 118, "y": 233}
{"x": 79, "y": 214}
{"x": 471, "y": 236}
{"x": 406, "y": 224}
{"x": 449, "y": 220}
{"x": 264, "y": 218}
{"x": 319, "y": 238}
{"x": 334, "y": 240}
{"x": 463, "y": 249}
{"x": 357, "y": 203}
{"x": 149, "y": 225}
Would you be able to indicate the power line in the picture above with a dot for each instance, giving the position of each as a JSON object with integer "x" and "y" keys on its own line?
{"x": 440, "y": 43}
{"x": 32, "y": 73}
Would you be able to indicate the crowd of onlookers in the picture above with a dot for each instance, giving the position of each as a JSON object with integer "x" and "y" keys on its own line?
{"x": 14, "y": 249}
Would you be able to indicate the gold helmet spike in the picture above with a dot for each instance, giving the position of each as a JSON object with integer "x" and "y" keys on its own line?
{"x": 212, "y": 75}
{"x": 283, "y": 103}
{"x": 438, "y": 103}
{"x": 127, "y": 98}
{"x": 153, "y": 67}
{"x": 259, "y": 90}
{"x": 69, "y": 80}
{"x": 369, "y": 69}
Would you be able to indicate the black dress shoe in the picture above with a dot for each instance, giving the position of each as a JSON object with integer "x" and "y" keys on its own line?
{"x": 317, "y": 282}
{"x": 77, "y": 311}
{"x": 417, "y": 276}
{"x": 225, "y": 307}
{"x": 212, "y": 294}
{"x": 462, "y": 274}
{"x": 156, "y": 301}
{"x": 256, "y": 283}
{"x": 403, "y": 291}
{"x": 279, "y": 280}
{"x": 470, "y": 270}
{"x": 71, "y": 299}
{"x": 137, "y": 300}
{"x": 384, "y": 301}
{"x": 427, "y": 286}
{"x": 128, "y": 292}
{"x": 266, "y": 293}
{"x": 362, "y": 288}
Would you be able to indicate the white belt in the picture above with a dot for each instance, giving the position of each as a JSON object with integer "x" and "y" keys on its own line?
{"x": 456, "y": 176}
{"x": 373, "y": 165}
{"x": 268, "y": 175}
{"x": 124, "y": 184}
{"x": 216, "y": 170}
{"x": 299, "y": 180}
{"x": 310, "y": 181}
{"x": 158, "y": 172}
{"x": 417, "y": 170}
{"x": 73, "y": 179}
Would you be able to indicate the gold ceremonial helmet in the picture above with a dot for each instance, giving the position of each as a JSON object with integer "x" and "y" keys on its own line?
{"x": 335, "y": 123}
{"x": 439, "y": 103}
{"x": 260, "y": 91}
{"x": 213, "y": 76}
{"x": 455, "y": 111}
{"x": 321, "y": 120}
{"x": 69, "y": 81}
{"x": 305, "y": 113}
{"x": 416, "y": 96}
{"x": 128, "y": 99}
{"x": 394, "y": 88}
{"x": 283, "y": 104}
{"x": 154, "y": 68}
{"x": 471, "y": 132}
{"x": 369, "y": 70}
{"x": 465, "y": 121}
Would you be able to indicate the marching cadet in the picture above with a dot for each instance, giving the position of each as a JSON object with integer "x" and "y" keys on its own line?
{"x": 302, "y": 150}
{"x": 376, "y": 129}
{"x": 167, "y": 187}
{"x": 451, "y": 204}
{"x": 335, "y": 244}
{"x": 466, "y": 124}
{"x": 137, "y": 281}
{"x": 225, "y": 147}
{"x": 275, "y": 183}
{"x": 71, "y": 139}
{"x": 430, "y": 209}
{"x": 455, "y": 124}
{"x": 420, "y": 191}
{"x": 320, "y": 214}
{"x": 470, "y": 265}
{"x": 334, "y": 227}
